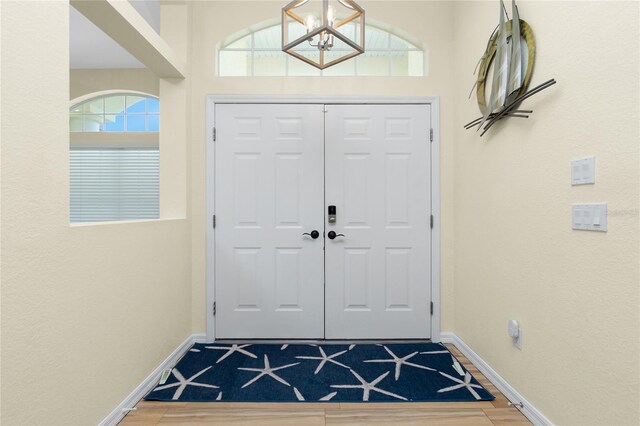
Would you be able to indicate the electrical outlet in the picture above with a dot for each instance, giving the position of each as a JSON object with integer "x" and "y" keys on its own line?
{"x": 515, "y": 332}
{"x": 517, "y": 342}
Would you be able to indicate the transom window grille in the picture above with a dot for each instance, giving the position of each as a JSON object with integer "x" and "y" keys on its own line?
{"x": 114, "y": 159}
{"x": 116, "y": 113}
{"x": 259, "y": 53}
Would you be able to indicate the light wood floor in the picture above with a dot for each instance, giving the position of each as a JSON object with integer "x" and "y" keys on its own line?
{"x": 496, "y": 412}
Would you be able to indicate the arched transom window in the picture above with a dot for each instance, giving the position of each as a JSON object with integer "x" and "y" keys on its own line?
{"x": 119, "y": 112}
{"x": 259, "y": 53}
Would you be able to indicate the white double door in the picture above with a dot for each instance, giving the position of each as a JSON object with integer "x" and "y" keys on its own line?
{"x": 278, "y": 170}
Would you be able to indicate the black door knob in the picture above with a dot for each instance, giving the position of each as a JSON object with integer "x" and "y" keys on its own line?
{"x": 314, "y": 234}
{"x": 332, "y": 235}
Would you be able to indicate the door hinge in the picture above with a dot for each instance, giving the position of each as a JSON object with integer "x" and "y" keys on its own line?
{"x": 214, "y": 221}
{"x": 214, "y": 309}
{"x": 431, "y": 308}
{"x": 430, "y": 135}
{"x": 431, "y": 221}
{"x": 214, "y": 134}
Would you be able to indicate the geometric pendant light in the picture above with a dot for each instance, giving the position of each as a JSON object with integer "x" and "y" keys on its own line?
{"x": 323, "y": 33}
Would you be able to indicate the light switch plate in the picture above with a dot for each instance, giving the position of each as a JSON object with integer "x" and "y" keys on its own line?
{"x": 583, "y": 171}
{"x": 589, "y": 217}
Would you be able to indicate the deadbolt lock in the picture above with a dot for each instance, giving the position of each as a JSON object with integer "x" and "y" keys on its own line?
{"x": 331, "y": 214}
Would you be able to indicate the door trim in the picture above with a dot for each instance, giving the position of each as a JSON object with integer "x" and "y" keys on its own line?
{"x": 212, "y": 100}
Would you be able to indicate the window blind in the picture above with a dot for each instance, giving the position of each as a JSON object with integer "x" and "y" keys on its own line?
{"x": 114, "y": 184}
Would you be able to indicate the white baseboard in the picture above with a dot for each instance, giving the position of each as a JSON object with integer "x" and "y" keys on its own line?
{"x": 147, "y": 384}
{"x": 531, "y": 412}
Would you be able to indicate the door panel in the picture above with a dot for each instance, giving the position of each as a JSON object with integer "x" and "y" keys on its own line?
{"x": 378, "y": 176}
{"x": 269, "y": 191}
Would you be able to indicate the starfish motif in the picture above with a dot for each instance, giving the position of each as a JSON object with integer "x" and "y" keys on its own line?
{"x": 182, "y": 383}
{"x": 400, "y": 361}
{"x": 328, "y": 397}
{"x": 367, "y": 387}
{"x": 324, "y": 359}
{"x": 267, "y": 371}
{"x": 434, "y": 352}
{"x": 462, "y": 384}
{"x": 231, "y": 349}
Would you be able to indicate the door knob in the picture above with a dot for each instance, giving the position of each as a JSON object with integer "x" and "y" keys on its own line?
{"x": 332, "y": 235}
{"x": 314, "y": 234}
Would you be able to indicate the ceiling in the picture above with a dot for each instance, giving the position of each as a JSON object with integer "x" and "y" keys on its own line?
{"x": 90, "y": 47}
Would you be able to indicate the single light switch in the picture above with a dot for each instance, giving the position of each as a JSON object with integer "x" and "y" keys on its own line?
{"x": 589, "y": 217}
{"x": 583, "y": 171}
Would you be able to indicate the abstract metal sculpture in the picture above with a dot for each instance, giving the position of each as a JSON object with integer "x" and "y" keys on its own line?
{"x": 511, "y": 53}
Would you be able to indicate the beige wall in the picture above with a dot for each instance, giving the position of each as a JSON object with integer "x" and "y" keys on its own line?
{"x": 175, "y": 137}
{"x": 85, "y": 81}
{"x": 87, "y": 311}
{"x": 213, "y": 21}
{"x": 575, "y": 293}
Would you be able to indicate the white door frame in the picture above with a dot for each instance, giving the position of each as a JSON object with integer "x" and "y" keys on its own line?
{"x": 212, "y": 100}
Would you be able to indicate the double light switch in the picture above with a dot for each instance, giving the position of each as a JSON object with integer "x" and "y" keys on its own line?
{"x": 583, "y": 171}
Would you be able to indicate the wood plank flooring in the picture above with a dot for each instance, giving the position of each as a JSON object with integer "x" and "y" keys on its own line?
{"x": 496, "y": 412}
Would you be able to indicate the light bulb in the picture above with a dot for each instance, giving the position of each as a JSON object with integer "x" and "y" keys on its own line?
{"x": 310, "y": 22}
{"x": 331, "y": 15}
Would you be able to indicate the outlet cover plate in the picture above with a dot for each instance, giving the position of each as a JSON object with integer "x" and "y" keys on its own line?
{"x": 517, "y": 342}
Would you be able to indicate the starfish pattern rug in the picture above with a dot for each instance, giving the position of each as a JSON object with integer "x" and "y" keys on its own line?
{"x": 420, "y": 372}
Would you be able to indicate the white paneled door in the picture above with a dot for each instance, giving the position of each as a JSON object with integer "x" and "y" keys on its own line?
{"x": 279, "y": 170}
{"x": 269, "y": 192}
{"x": 378, "y": 177}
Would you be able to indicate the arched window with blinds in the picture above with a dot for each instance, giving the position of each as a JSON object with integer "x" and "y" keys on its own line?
{"x": 114, "y": 158}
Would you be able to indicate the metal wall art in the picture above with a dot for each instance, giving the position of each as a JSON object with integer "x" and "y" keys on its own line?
{"x": 510, "y": 60}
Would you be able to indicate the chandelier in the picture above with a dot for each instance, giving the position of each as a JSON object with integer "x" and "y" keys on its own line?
{"x": 323, "y": 33}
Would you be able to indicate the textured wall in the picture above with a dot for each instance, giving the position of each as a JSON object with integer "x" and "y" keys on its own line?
{"x": 214, "y": 21}
{"x": 87, "y": 311}
{"x": 574, "y": 292}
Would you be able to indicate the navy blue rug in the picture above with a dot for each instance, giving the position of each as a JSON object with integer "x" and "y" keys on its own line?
{"x": 301, "y": 372}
